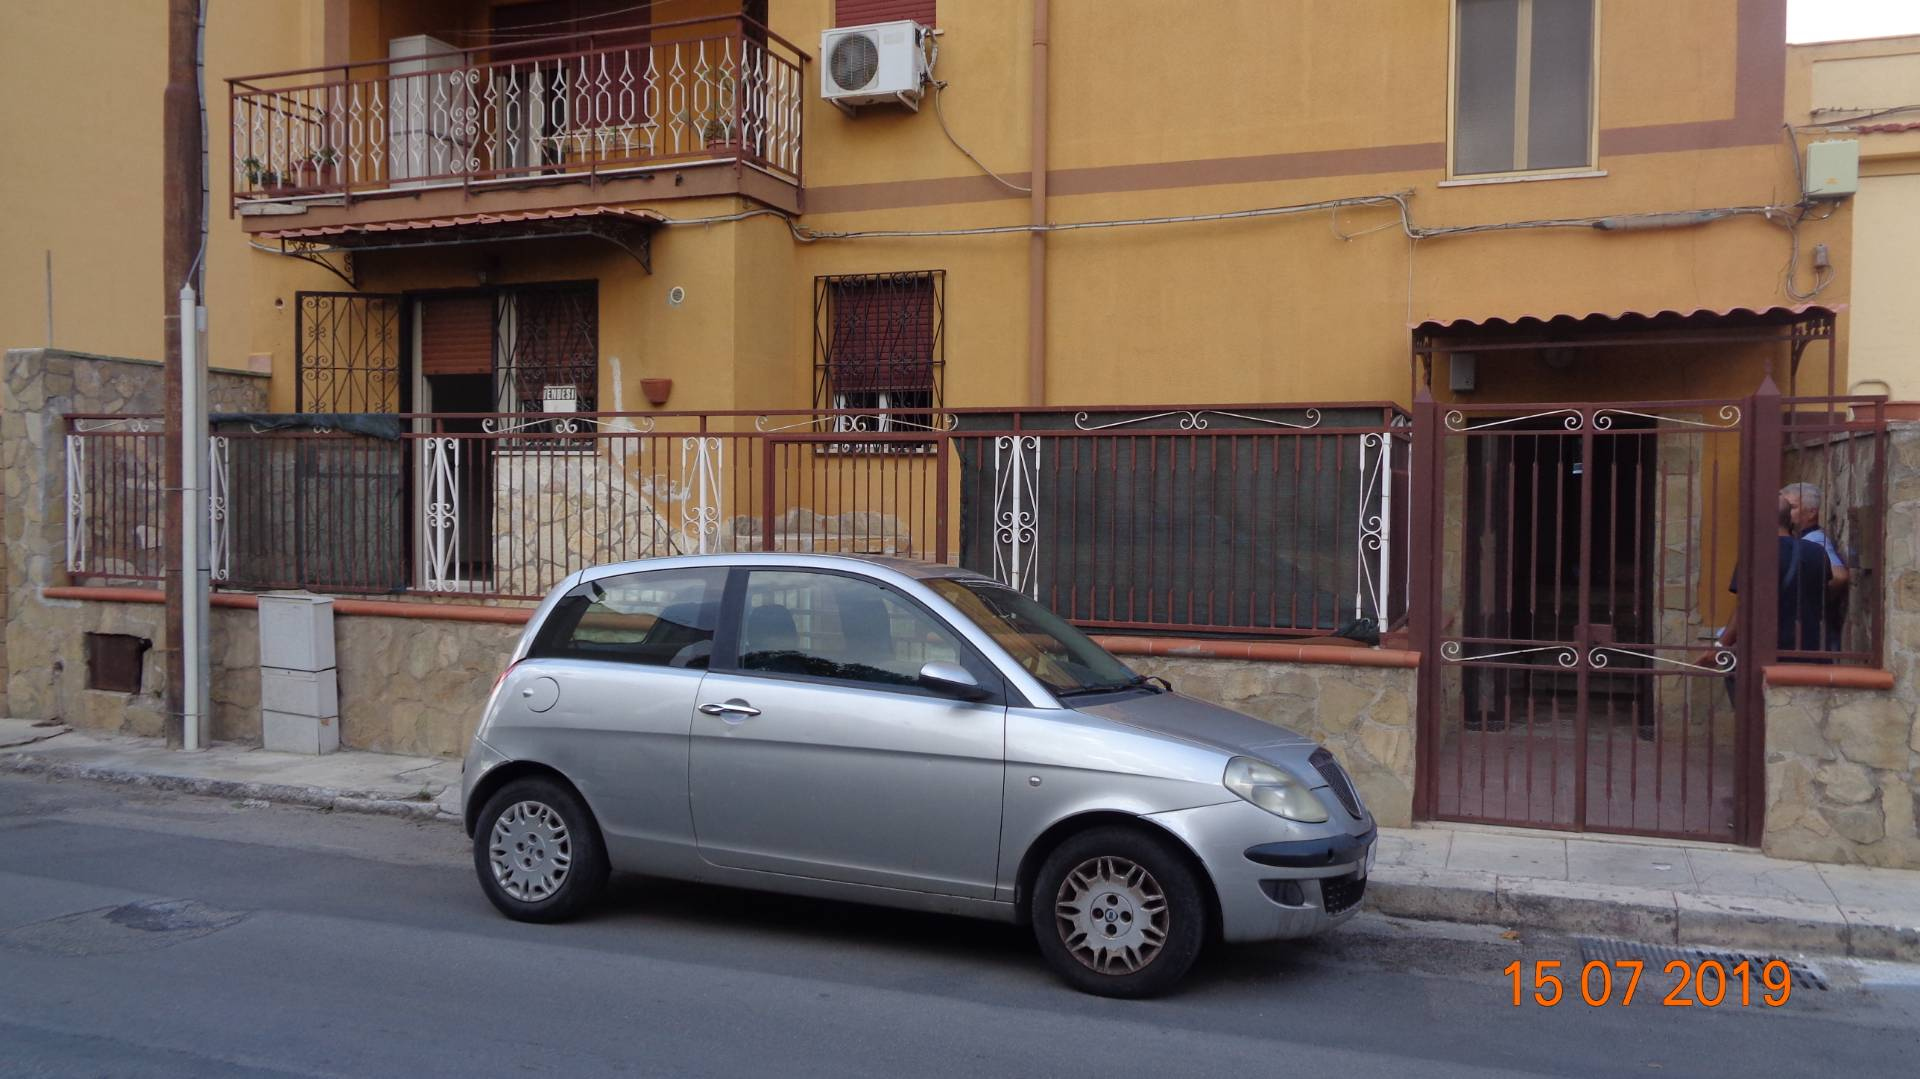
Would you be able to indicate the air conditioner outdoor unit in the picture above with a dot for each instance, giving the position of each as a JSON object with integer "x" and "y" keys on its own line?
{"x": 879, "y": 63}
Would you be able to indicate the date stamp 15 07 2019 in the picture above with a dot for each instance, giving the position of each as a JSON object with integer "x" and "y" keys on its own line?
{"x": 1707, "y": 983}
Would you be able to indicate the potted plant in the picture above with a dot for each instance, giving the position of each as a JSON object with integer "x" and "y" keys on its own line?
{"x": 326, "y": 167}
{"x": 254, "y": 169}
{"x": 656, "y": 390}
{"x": 721, "y": 136}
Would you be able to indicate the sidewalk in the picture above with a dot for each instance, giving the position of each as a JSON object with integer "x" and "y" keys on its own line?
{"x": 1687, "y": 894}
{"x": 426, "y": 788}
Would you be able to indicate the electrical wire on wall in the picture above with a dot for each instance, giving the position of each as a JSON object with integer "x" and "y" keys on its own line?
{"x": 1790, "y": 277}
{"x": 930, "y": 46}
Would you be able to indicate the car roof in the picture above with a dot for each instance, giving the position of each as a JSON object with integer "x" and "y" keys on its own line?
{"x": 905, "y": 567}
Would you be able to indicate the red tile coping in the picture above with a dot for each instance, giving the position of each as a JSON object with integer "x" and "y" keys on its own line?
{"x": 1807, "y": 674}
{"x": 1355, "y": 655}
{"x": 1348, "y": 655}
{"x": 382, "y": 608}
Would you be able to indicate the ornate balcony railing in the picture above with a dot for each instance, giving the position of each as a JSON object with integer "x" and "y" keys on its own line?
{"x": 568, "y": 108}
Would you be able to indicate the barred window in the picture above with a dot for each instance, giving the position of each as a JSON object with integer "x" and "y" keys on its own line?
{"x": 879, "y": 344}
{"x": 547, "y": 341}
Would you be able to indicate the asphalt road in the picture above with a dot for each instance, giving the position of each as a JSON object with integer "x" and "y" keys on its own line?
{"x": 153, "y": 934}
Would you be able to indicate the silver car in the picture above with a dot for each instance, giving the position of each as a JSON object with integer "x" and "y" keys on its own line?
{"x": 901, "y": 734}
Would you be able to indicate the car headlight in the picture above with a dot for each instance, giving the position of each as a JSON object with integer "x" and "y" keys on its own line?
{"x": 1274, "y": 790}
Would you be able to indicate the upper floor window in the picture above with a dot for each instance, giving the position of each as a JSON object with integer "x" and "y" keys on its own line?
{"x": 1522, "y": 85}
{"x": 879, "y": 344}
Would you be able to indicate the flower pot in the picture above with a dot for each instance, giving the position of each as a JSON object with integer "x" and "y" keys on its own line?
{"x": 656, "y": 390}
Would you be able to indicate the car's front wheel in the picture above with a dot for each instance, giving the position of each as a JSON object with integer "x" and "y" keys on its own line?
{"x": 1118, "y": 913}
{"x": 538, "y": 852}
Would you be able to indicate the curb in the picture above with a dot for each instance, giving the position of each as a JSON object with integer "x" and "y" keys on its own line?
{"x": 1644, "y": 914}
{"x": 340, "y": 801}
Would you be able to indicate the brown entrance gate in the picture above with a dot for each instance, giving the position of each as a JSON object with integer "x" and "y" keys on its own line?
{"x": 1577, "y": 574}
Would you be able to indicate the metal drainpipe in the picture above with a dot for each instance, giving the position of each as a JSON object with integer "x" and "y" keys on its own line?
{"x": 1037, "y": 202}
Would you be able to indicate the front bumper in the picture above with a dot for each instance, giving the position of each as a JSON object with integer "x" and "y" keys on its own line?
{"x": 1277, "y": 879}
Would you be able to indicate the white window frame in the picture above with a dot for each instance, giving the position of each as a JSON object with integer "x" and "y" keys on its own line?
{"x": 1522, "y": 100}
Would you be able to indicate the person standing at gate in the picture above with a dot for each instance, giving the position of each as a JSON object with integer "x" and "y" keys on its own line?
{"x": 1806, "y": 500}
{"x": 1804, "y": 573}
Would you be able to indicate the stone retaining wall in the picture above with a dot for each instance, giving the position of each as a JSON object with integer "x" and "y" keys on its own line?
{"x": 1365, "y": 715}
{"x": 42, "y": 387}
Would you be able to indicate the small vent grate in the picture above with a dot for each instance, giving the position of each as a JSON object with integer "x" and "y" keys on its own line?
{"x": 854, "y": 61}
{"x": 1657, "y": 956}
{"x": 1338, "y": 894}
{"x": 1336, "y": 778}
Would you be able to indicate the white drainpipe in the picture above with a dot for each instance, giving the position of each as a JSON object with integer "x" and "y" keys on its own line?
{"x": 194, "y": 539}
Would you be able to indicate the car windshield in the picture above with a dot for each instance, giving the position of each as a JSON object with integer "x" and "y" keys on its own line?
{"x": 1051, "y": 649}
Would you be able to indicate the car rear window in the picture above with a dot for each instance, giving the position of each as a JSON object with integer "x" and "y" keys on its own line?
{"x": 655, "y": 618}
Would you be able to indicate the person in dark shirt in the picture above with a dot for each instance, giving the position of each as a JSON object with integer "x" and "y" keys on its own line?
{"x": 1804, "y": 572}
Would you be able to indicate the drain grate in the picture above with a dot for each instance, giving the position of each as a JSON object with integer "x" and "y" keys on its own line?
{"x": 1657, "y": 956}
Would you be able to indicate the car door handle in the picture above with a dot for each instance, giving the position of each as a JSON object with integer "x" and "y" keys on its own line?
{"x": 735, "y": 707}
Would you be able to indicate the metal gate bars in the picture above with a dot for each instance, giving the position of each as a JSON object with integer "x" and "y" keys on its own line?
{"x": 1574, "y": 576}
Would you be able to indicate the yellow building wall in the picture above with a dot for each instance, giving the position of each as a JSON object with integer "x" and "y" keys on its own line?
{"x": 1234, "y": 105}
{"x": 1313, "y": 307}
{"x": 1829, "y": 85}
{"x": 80, "y": 175}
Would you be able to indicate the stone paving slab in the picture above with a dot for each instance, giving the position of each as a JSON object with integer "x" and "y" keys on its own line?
{"x": 1663, "y": 891}
{"x": 419, "y": 787}
{"x": 1694, "y": 894}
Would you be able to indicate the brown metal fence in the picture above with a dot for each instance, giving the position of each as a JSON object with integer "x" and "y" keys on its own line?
{"x": 1274, "y": 520}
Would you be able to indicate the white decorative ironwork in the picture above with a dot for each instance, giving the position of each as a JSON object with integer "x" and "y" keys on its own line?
{"x": 1571, "y": 419}
{"x": 1373, "y": 559}
{"x": 876, "y": 421}
{"x": 220, "y": 547}
{"x": 564, "y": 424}
{"x": 441, "y": 513}
{"x": 1603, "y": 419}
{"x": 1016, "y": 511}
{"x": 134, "y": 424}
{"x": 76, "y": 503}
{"x": 701, "y": 461}
{"x": 1724, "y": 661}
{"x": 1196, "y": 419}
{"x": 1566, "y": 656}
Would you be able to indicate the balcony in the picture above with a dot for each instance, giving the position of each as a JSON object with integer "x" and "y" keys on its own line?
{"x": 719, "y": 100}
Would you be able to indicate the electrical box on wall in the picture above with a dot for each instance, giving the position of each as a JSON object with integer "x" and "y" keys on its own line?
{"x": 1463, "y": 369}
{"x": 1833, "y": 168}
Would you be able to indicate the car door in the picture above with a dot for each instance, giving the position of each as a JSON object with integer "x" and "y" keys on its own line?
{"x": 606, "y": 692}
{"x": 826, "y": 759}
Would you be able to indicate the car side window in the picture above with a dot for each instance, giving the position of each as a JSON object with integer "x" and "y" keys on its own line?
{"x": 825, "y": 625}
{"x": 655, "y": 618}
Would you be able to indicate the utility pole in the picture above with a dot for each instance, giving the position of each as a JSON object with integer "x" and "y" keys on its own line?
{"x": 180, "y": 238}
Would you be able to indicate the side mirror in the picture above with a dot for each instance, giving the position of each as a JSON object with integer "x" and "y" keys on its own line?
{"x": 952, "y": 680}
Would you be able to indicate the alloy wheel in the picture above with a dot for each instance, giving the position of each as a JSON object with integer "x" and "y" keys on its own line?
{"x": 530, "y": 850}
{"x": 1112, "y": 915}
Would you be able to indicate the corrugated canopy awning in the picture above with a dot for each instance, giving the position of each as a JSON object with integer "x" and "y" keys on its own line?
{"x": 1632, "y": 321}
{"x": 626, "y": 227}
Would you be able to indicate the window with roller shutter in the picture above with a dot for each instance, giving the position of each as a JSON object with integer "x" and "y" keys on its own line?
{"x": 456, "y": 336}
{"x": 863, "y": 12}
{"x": 879, "y": 343}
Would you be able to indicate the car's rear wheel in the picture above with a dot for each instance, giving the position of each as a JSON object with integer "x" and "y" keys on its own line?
{"x": 1118, "y": 913}
{"x": 538, "y": 853}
